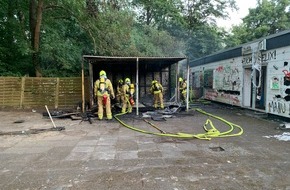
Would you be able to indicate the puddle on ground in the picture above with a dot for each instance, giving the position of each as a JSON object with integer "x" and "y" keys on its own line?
{"x": 217, "y": 149}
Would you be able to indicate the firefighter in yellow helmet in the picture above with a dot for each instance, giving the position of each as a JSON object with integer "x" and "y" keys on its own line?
{"x": 182, "y": 89}
{"x": 157, "y": 91}
{"x": 119, "y": 94}
{"x": 128, "y": 93}
{"x": 104, "y": 92}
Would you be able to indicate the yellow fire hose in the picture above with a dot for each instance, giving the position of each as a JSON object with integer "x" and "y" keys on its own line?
{"x": 210, "y": 133}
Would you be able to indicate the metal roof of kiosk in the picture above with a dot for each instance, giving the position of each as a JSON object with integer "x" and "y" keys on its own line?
{"x": 152, "y": 64}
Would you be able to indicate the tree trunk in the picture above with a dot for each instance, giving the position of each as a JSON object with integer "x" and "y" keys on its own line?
{"x": 8, "y": 37}
{"x": 35, "y": 18}
{"x": 148, "y": 16}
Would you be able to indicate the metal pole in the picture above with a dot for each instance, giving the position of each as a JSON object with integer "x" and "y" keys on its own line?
{"x": 177, "y": 84}
{"x": 187, "y": 86}
{"x": 137, "y": 86}
{"x": 254, "y": 90}
{"x": 91, "y": 84}
{"x": 83, "y": 86}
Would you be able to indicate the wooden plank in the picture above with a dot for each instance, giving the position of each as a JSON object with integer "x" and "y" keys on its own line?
{"x": 22, "y": 91}
{"x": 56, "y": 94}
{"x": 36, "y": 92}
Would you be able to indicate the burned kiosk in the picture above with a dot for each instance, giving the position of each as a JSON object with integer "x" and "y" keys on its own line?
{"x": 141, "y": 71}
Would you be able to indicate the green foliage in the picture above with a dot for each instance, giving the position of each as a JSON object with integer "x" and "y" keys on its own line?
{"x": 61, "y": 50}
{"x": 204, "y": 41}
{"x": 14, "y": 50}
{"x": 151, "y": 42}
{"x": 192, "y": 22}
{"x": 72, "y": 28}
{"x": 269, "y": 17}
{"x": 158, "y": 13}
{"x": 112, "y": 33}
{"x": 200, "y": 12}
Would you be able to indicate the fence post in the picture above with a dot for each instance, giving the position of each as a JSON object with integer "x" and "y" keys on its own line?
{"x": 56, "y": 93}
{"x": 22, "y": 92}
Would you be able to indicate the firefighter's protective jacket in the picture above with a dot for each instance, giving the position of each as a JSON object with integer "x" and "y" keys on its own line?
{"x": 128, "y": 90}
{"x": 156, "y": 88}
{"x": 104, "y": 86}
{"x": 183, "y": 87}
{"x": 119, "y": 89}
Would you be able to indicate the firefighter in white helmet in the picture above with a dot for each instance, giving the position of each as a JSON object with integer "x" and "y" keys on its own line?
{"x": 157, "y": 91}
{"x": 128, "y": 93}
{"x": 104, "y": 92}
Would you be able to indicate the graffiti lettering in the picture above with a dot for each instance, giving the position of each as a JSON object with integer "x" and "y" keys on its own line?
{"x": 268, "y": 56}
{"x": 211, "y": 95}
{"x": 246, "y": 60}
{"x": 222, "y": 97}
{"x": 276, "y": 106}
{"x": 263, "y": 57}
{"x": 219, "y": 69}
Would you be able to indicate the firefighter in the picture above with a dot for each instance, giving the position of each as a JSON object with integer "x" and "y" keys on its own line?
{"x": 128, "y": 92}
{"x": 104, "y": 92}
{"x": 119, "y": 96}
{"x": 182, "y": 89}
{"x": 157, "y": 91}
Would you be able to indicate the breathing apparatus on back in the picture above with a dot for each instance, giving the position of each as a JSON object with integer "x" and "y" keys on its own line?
{"x": 131, "y": 89}
{"x": 103, "y": 87}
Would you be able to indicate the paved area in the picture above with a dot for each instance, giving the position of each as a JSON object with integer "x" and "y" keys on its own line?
{"x": 107, "y": 155}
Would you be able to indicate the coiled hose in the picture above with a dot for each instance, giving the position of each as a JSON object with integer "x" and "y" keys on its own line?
{"x": 208, "y": 135}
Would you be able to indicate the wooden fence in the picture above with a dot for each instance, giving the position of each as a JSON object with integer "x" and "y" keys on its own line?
{"x": 31, "y": 92}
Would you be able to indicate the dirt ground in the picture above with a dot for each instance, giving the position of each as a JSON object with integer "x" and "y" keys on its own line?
{"x": 108, "y": 155}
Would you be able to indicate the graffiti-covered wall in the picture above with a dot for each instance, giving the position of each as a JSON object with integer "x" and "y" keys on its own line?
{"x": 254, "y": 72}
{"x": 278, "y": 101}
{"x": 222, "y": 81}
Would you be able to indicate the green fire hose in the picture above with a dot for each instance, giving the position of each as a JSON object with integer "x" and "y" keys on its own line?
{"x": 210, "y": 133}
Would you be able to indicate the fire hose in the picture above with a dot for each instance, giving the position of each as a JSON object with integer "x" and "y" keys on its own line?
{"x": 210, "y": 133}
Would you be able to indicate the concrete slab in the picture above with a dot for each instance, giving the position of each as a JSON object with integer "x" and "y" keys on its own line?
{"x": 107, "y": 155}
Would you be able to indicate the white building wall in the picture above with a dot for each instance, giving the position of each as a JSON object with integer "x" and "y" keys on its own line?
{"x": 224, "y": 81}
{"x": 278, "y": 86}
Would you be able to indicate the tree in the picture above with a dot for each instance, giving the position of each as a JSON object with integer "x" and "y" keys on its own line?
{"x": 48, "y": 38}
{"x": 148, "y": 41}
{"x": 269, "y": 17}
{"x": 203, "y": 37}
{"x": 21, "y": 36}
{"x": 187, "y": 21}
{"x": 199, "y": 12}
{"x": 14, "y": 50}
{"x": 35, "y": 21}
{"x": 205, "y": 40}
{"x": 157, "y": 12}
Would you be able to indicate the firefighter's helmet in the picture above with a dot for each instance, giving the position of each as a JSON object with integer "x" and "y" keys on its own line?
{"x": 154, "y": 81}
{"x": 103, "y": 73}
{"x": 121, "y": 81}
{"x": 180, "y": 79}
{"x": 127, "y": 80}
